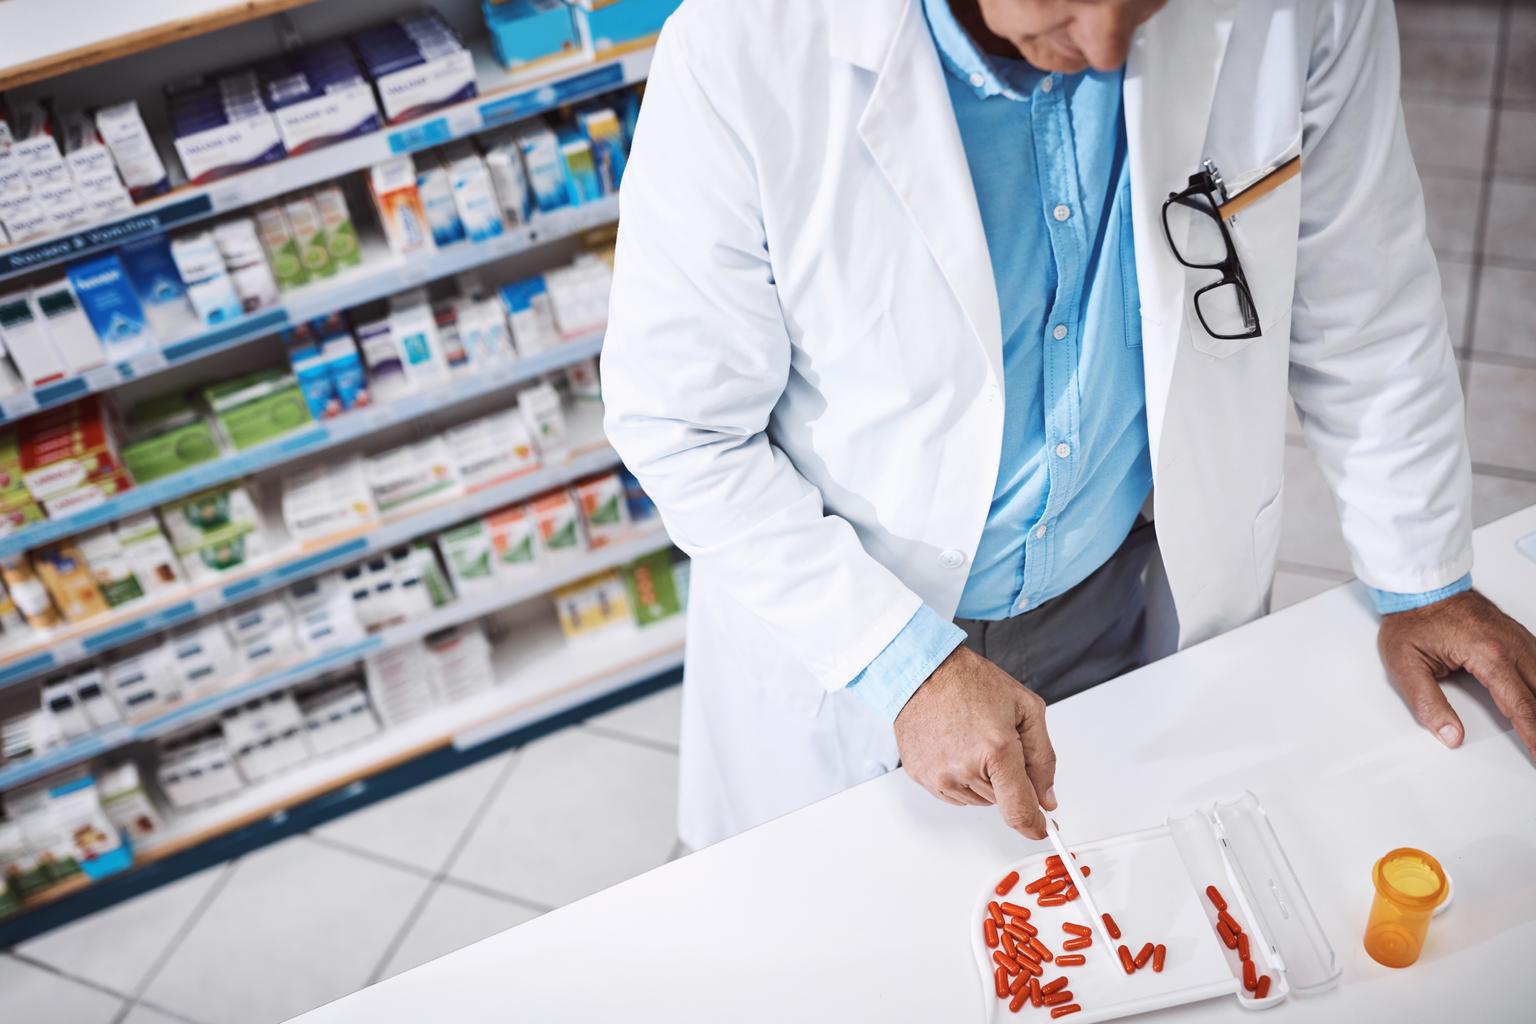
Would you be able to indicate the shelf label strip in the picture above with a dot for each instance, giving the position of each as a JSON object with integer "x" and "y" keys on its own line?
{"x": 256, "y": 323}
{"x": 114, "y": 233}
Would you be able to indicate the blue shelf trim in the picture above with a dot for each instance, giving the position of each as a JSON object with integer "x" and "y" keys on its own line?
{"x": 27, "y": 667}
{"x": 102, "y": 235}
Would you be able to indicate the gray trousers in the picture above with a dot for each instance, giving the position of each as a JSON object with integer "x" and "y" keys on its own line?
{"x": 1092, "y": 633}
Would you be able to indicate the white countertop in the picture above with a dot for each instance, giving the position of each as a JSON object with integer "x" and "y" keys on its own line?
{"x": 857, "y": 908}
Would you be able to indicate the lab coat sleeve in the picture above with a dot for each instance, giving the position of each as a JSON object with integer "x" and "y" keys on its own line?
{"x": 696, "y": 356}
{"x": 1372, "y": 370}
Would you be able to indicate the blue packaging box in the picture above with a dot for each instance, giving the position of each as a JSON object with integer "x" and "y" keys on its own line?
{"x": 611, "y": 25}
{"x": 106, "y": 294}
{"x": 152, "y": 271}
{"x": 534, "y": 37}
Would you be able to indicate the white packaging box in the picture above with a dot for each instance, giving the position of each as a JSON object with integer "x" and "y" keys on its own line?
{"x": 483, "y": 332}
{"x": 90, "y": 692}
{"x": 73, "y": 338}
{"x": 401, "y": 684}
{"x": 263, "y": 632}
{"x": 201, "y": 267}
{"x": 398, "y": 202}
{"x": 475, "y": 198}
{"x": 334, "y": 114}
{"x": 150, "y": 554}
{"x": 425, "y": 85}
{"x": 492, "y": 449}
{"x": 237, "y": 144}
{"x": 505, "y": 163}
{"x": 25, "y": 338}
{"x": 13, "y": 176}
{"x": 324, "y": 617}
{"x": 141, "y": 683}
{"x": 338, "y": 718}
{"x": 324, "y": 502}
{"x": 266, "y": 736}
{"x": 578, "y": 295}
{"x": 133, "y": 149}
{"x": 202, "y": 657}
{"x": 126, "y": 803}
{"x": 413, "y": 475}
{"x": 461, "y": 661}
{"x": 471, "y": 563}
{"x": 414, "y": 331}
{"x": 545, "y": 419}
{"x": 23, "y": 219}
{"x": 583, "y": 382}
{"x": 244, "y": 259}
{"x": 436, "y": 191}
{"x": 61, "y": 705}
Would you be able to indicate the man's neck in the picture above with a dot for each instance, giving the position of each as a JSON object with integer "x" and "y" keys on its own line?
{"x": 968, "y": 14}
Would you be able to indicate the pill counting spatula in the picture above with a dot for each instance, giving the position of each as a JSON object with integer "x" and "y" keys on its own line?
{"x": 1054, "y": 834}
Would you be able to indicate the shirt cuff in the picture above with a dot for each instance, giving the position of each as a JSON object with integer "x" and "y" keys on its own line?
{"x": 888, "y": 682}
{"x": 1388, "y": 602}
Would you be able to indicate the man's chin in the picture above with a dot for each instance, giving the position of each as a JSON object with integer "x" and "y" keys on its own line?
{"x": 1053, "y": 60}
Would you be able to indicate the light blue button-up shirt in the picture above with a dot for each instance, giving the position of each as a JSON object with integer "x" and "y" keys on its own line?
{"x": 1047, "y": 155}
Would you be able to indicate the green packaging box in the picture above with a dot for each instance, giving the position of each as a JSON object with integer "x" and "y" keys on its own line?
{"x": 652, "y": 589}
{"x": 257, "y": 407}
{"x": 170, "y": 452}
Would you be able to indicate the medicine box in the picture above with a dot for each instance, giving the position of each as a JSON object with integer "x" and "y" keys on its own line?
{"x": 109, "y": 565}
{"x": 653, "y": 589}
{"x": 593, "y": 603}
{"x": 530, "y": 312}
{"x": 133, "y": 150}
{"x": 603, "y": 511}
{"x": 257, "y": 407}
{"x": 150, "y": 554}
{"x": 25, "y": 337}
{"x": 436, "y": 191}
{"x": 413, "y": 475}
{"x": 222, "y": 126}
{"x": 246, "y": 263}
{"x": 608, "y": 27}
{"x": 171, "y": 451}
{"x": 557, "y": 523}
{"x": 467, "y": 552}
{"x": 281, "y": 247}
{"x": 105, "y": 292}
{"x": 328, "y": 501}
{"x": 340, "y": 232}
{"x": 417, "y": 63}
{"x": 318, "y": 95}
{"x": 63, "y": 571}
{"x": 534, "y": 38}
{"x": 215, "y": 531}
{"x": 126, "y": 803}
{"x": 337, "y": 716}
{"x": 492, "y": 449}
{"x": 70, "y": 333}
{"x": 152, "y": 271}
{"x": 515, "y": 543}
{"x": 399, "y": 204}
{"x": 540, "y": 149}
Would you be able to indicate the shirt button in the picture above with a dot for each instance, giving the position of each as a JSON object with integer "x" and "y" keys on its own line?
{"x": 1048, "y": 84}
{"x": 1061, "y": 212}
{"x": 952, "y": 559}
{"x": 1063, "y": 450}
{"x": 1060, "y": 332}
{"x": 1039, "y": 531}
{"x": 978, "y": 79}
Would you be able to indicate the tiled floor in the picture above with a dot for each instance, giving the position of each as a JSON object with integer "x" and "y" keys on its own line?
{"x": 304, "y": 921}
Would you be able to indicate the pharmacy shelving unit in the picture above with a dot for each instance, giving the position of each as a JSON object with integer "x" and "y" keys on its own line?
{"x": 543, "y": 682}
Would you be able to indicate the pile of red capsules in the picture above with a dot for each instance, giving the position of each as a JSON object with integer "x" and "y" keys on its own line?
{"x": 1020, "y": 955}
{"x": 1233, "y": 936}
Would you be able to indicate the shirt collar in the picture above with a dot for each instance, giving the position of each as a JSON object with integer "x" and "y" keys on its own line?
{"x": 989, "y": 76}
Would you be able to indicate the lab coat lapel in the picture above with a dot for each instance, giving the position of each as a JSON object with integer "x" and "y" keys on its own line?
{"x": 1170, "y": 86}
{"x": 909, "y": 128}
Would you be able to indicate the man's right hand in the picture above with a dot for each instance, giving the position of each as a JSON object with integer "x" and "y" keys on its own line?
{"x": 972, "y": 734}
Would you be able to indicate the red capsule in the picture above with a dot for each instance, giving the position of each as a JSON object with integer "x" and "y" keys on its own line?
{"x": 1052, "y": 901}
{"x": 1071, "y": 960}
{"x": 1062, "y": 1011}
{"x": 1056, "y": 999}
{"x": 1216, "y": 898}
{"x": 1086, "y": 870}
{"x": 1114, "y": 929}
{"x": 989, "y": 929}
{"x": 1020, "y": 984}
{"x": 1053, "y": 986}
{"x": 1157, "y": 958}
{"x": 1055, "y": 888}
{"x": 1000, "y": 981}
{"x": 1227, "y": 935}
{"x": 1038, "y": 884}
{"x": 1125, "y": 960}
{"x": 1143, "y": 956}
{"x": 1070, "y": 894}
{"x": 1022, "y": 932}
{"x": 1006, "y": 962}
{"x": 1076, "y": 929}
{"x": 1034, "y": 993}
{"x": 1250, "y": 976}
{"x": 1262, "y": 989}
{"x": 1010, "y": 880}
{"x": 1230, "y": 921}
{"x": 1010, "y": 946}
{"x": 996, "y": 913}
{"x": 1242, "y": 946}
{"x": 1072, "y": 945}
{"x": 1040, "y": 948}
{"x": 1030, "y": 966}
{"x": 1054, "y": 861}
{"x": 1017, "y": 1002}
{"x": 1014, "y": 910}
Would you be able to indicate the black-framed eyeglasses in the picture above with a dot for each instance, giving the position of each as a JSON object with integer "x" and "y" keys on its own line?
{"x": 1225, "y": 306}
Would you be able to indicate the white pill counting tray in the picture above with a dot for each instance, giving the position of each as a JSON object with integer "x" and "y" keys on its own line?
{"x": 1153, "y": 884}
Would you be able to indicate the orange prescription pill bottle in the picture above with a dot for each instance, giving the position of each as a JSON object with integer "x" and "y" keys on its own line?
{"x": 1410, "y": 884}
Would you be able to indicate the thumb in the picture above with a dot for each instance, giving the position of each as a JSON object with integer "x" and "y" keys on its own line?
{"x": 1421, "y": 691}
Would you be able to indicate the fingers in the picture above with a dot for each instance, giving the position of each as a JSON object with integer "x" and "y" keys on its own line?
{"x": 1039, "y": 755}
{"x": 1421, "y": 690}
{"x": 1512, "y": 692}
{"x": 1015, "y": 792}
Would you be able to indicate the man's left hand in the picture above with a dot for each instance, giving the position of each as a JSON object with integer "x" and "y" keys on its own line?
{"x": 1422, "y": 646}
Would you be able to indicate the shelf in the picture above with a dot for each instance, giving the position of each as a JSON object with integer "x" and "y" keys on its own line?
{"x": 375, "y": 279}
{"x": 107, "y": 30}
{"x": 589, "y": 453}
{"x": 551, "y": 677}
{"x": 499, "y": 103}
{"x": 555, "y": 575}
{"x": 317, "y": 437}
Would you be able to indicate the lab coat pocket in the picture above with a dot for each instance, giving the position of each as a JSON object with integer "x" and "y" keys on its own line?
{"x": 1264, "y": 236}
{"x": 1266, "y": 539}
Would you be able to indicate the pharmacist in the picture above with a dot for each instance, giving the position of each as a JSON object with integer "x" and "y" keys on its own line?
{"x": 906, "y": 329}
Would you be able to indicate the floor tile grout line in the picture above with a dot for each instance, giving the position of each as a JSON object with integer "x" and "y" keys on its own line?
{"x": 384, "y": 859}
{"x": 157, "y": 1008}
{"x": 59, "y": 972}
{"x": 1517, "y": 362}
{"x": 228, "y": 872}
{"x": 608, "y": 732}
{"x": 436, "y": 881}
{"x": 454, "y": 882}
{"x": 1504, "y": 472}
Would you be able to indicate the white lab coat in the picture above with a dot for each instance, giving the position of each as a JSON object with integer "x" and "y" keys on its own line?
{"x": 804, "y": 369}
